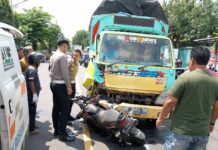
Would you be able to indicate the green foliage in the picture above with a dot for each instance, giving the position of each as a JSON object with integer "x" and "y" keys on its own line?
{"x": 191, "y": 20}
{"x": 34, "y": 25}
{"x": 38, "y": 30}
{"x": 81, "y": 38}
{"x": 6, "y": 13}
{"x": 54, "y": 33}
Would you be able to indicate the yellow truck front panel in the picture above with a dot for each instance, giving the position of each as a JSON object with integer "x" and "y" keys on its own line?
{"x": 134, "y": 84}
{"x": 138, "y": 111}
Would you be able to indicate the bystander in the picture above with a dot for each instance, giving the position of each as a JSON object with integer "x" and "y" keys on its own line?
{"x": 194, "y": 101}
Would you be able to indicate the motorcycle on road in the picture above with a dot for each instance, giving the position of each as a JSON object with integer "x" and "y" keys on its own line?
{"x": 121, "y": 127}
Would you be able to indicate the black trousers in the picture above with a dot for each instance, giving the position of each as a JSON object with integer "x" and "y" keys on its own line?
{"x": 32, "y": 116}
{"x": 60, "y": 107}
{"x": 72, "y": 96}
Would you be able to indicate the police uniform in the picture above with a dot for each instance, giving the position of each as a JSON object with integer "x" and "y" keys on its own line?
{"x": 60, "y": 81}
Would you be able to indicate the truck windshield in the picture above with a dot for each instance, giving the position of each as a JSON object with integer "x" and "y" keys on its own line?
{"x": 139, "y": 50}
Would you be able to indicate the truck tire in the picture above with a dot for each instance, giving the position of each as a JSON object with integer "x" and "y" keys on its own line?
{"x": 151, "y": 124}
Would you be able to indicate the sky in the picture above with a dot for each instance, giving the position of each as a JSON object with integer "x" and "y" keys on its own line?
{"x": 70, "y": 15}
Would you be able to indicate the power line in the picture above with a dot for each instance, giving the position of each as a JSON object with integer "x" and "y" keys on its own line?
{"x": 15, "y": 5}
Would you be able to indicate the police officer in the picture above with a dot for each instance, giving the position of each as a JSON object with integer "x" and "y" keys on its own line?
{"x": 61, "y": 89}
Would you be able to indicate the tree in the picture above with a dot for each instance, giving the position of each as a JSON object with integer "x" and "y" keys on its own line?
{"x": 191, "y": 19}
{"x": 54, "y": 34}
{"x": 81, "y": 38}
{"x": 6, "y": 13}
{"x": 34, "y": 23}
{"x": 178, "y": 12}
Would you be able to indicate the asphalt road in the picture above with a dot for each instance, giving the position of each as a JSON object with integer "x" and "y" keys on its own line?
{"x": 88, "y": 139}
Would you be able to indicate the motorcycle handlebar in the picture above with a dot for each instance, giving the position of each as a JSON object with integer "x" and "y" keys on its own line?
{"x": 85, "y": 99}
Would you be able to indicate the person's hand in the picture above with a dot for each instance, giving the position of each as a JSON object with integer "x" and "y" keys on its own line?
{"x": 69, "y": 91}
{"x": 35, "y": 98}
{"x": 211, "y": 128}
{"x": 159, "y": 122}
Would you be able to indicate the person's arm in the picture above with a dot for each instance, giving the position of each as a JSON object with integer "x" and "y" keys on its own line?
{"x": 32, "y": 77}
{"x": 214, "y": 115}
{"x": 32, "y": 86}
{"x": 64, "y": 67}
{"x": 169, "y": 104}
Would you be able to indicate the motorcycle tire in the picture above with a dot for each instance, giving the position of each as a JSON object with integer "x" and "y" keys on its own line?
{"x": 137, "y": 136}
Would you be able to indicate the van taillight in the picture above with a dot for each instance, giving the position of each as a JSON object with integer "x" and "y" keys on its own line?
{"x": 95, "y": 30}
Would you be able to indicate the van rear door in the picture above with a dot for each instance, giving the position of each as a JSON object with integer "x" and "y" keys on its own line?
{"x": 14, "y": 119}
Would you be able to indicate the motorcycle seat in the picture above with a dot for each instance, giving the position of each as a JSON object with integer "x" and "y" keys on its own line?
{"x": 108, "y": 116}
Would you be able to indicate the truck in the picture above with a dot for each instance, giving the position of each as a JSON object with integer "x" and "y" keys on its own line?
{"x": 132, "y": 63}
{"x": 183, "y": 54}
{"x": 212, "y": 44}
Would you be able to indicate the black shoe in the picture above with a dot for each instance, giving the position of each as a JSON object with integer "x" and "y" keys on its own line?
{"x": 70, "y": 118}
{"x": 69, "y": 123}
{"x": 56, "y": 134}
{"x": 66, "y": 138}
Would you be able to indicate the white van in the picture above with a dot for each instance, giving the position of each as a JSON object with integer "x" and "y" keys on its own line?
{"x": 14, "y": 115}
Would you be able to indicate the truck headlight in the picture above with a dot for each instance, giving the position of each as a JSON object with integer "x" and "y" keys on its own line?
{"x": 161, "y": 98}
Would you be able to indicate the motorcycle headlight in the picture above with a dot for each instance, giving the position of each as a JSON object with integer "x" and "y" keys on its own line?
{"x": 161, "y": 98}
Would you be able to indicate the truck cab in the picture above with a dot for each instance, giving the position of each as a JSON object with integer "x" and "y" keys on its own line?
{"x": 14, "y": 113}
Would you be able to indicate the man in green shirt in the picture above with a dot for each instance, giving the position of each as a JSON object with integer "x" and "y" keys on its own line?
{"x": 194, "y": 101}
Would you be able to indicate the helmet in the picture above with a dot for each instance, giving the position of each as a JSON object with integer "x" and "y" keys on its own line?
{"x": 33, "y": 59}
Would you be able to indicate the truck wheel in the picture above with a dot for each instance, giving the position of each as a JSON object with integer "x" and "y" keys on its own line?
{"x": 147, "y": 124}
{"x": 151, "y": 124}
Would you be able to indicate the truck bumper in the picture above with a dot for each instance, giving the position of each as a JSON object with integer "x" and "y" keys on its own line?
{"x": 138, "y": 111}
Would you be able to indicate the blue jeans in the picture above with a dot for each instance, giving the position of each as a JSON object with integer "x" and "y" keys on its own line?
{"x": 175, "y": 141}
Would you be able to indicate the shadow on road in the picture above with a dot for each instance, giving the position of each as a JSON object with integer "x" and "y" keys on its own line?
{"x": 42, "y": 138}
{"x": 46, "y": 141}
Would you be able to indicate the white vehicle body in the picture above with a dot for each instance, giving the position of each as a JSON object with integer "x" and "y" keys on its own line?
{"x": 14, "y": 113}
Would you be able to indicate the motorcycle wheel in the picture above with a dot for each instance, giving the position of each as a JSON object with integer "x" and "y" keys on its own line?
{"x": 137, "y": 136}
